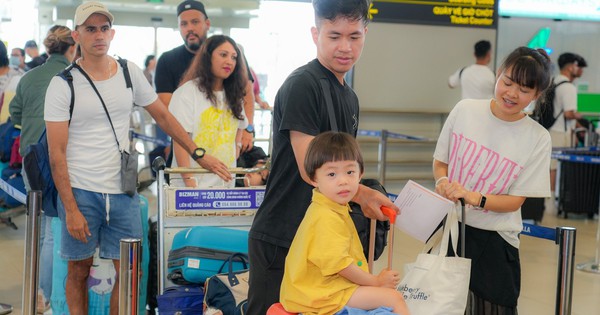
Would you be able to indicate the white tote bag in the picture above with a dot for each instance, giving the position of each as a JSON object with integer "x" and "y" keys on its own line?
{"x": 435, "y": 284}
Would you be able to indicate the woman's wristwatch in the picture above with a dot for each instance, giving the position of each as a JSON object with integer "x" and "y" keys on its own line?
{"x": 482, "y": 201}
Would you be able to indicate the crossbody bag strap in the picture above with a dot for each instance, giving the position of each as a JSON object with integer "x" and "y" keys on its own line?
{"x": 101, "y": 101}
{"x": 328, "y": 103}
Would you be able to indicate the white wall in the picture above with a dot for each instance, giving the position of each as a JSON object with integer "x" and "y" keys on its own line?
{"x": 406, "y": 66}
{"x": 566, "y": 36}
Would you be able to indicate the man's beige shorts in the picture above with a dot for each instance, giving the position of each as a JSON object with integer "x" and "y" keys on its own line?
{"x": 560, "y": 139}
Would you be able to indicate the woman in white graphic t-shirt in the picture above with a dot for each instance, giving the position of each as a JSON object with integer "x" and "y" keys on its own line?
{"x": 491, "y": 154}
{"x": 208, "y": 104}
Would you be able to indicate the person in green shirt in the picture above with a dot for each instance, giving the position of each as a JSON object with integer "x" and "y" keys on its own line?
{"x": 27, "y": 110}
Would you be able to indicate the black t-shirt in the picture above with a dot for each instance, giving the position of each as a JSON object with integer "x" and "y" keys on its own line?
{"x": 170, "y": 69}
{"x": 299, "y": 106}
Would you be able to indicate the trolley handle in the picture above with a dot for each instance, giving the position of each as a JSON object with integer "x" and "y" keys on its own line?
{"x": 199, "y": 170}
{"x": 390, "y": 213}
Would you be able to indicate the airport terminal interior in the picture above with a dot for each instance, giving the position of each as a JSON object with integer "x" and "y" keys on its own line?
{"x": 401, "y": 81}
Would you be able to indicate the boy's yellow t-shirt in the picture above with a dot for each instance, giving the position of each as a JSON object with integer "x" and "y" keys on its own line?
{"x": 326, "y": 242}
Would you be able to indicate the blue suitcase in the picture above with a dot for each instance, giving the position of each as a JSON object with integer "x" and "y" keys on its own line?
{"x": 197, "y": 253}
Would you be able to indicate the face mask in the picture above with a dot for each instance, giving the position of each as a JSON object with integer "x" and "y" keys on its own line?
{"x": 15, "y": 61}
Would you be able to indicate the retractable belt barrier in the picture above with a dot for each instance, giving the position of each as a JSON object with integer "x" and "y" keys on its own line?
{"x": 135, "y": 135}
{"x": 393, "y": 135}
{"x": 13, "y": 192}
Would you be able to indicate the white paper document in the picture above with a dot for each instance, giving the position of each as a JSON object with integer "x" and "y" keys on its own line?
{"x": 421, "y": 210}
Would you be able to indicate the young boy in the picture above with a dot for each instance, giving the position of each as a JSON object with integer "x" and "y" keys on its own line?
{"x": 325, "y": 269}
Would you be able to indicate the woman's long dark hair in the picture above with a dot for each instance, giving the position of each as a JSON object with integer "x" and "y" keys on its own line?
{"x": 234, "y": 85}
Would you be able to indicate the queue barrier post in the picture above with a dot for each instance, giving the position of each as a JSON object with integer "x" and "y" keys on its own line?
{"x": 159, "y": 165}
{"x": 31, "y": 259}
{"x": 129, "y": 276}
{"x": 565, "y": 238}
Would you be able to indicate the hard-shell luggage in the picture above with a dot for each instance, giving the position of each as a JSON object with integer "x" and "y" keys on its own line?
{"x": 533, "y": 209}
{"x": 578, "y": 183}
{"x": 198, "y": 252}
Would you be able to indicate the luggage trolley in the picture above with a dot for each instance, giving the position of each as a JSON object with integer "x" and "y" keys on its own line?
{"x": 184, "y": 207}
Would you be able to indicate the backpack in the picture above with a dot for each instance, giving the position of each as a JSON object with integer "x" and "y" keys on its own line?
{"x": 8, "y": 134}
{"x": 37, "y": 158}
{"x": 363, "y": 224}
{"x": 544, "y": 111}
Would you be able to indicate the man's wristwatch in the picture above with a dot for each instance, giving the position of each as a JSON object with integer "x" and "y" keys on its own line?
{"x": 198, "y": 153}
{"x": 250, "y": 128}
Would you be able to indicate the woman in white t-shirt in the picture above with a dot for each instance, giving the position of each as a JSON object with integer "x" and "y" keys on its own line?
{"x": 491, "y": 154}
{"x": 208, "y": 104}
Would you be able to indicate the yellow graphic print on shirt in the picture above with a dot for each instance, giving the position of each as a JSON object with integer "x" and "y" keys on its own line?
{"x": 216, "y": 134}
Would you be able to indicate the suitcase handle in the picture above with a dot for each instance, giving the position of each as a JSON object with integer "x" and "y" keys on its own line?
{"x": 243, "y": 258}
{"x": 390, "y": 213}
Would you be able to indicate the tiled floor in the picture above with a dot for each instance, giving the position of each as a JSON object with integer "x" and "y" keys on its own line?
{"x": 538, "y": 257}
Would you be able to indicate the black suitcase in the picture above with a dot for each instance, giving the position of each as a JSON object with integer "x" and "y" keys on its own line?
{"x": 152, "y": 287}
{"x": 579, "y": 185}
{"x": 533, "y": 209}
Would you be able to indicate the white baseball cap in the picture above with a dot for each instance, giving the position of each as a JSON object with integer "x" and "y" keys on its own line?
{"x": 86, "y": 9}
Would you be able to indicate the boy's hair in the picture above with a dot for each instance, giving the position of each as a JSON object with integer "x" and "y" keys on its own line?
{"x": 331, "y": 146}
{"x": 354, "y": 10}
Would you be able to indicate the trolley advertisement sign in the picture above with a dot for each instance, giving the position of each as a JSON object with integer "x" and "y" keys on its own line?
{"x": 218, "y": 199}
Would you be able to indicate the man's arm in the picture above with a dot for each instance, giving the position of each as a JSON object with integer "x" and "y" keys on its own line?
{"x": 58, "y": 135}
{"x": 165, "y": 98}
{"x": 15, "y": 107}
{"x": 173, "y": 128}
{"x": 454, "y": 79}
{"x": 247, "y": 137}
{"x": 300, "y": 142}
{"x": 570, "y": 114}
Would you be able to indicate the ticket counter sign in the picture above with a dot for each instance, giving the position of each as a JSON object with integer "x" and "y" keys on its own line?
{"x": 467, "y": 13}
{"x": 218, "y": 199}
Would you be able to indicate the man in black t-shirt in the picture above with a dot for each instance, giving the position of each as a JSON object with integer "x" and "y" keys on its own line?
{"x": 172, "y": 65}
{"x": 300, "y": 113}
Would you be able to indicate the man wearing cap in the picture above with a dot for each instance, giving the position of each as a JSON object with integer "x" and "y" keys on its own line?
{"x": 31, "y": 49}
{"x": 565, "y": 109}
{"x": 193, "y": 27}
{"x": 85, "y": 151}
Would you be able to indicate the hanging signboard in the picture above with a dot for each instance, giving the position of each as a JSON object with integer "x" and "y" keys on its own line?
{"x": 468, "y": 13}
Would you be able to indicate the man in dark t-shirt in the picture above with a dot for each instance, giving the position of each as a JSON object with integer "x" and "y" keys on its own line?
{"x": 300, "y": 113}
{"x": 172, "y": 65}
